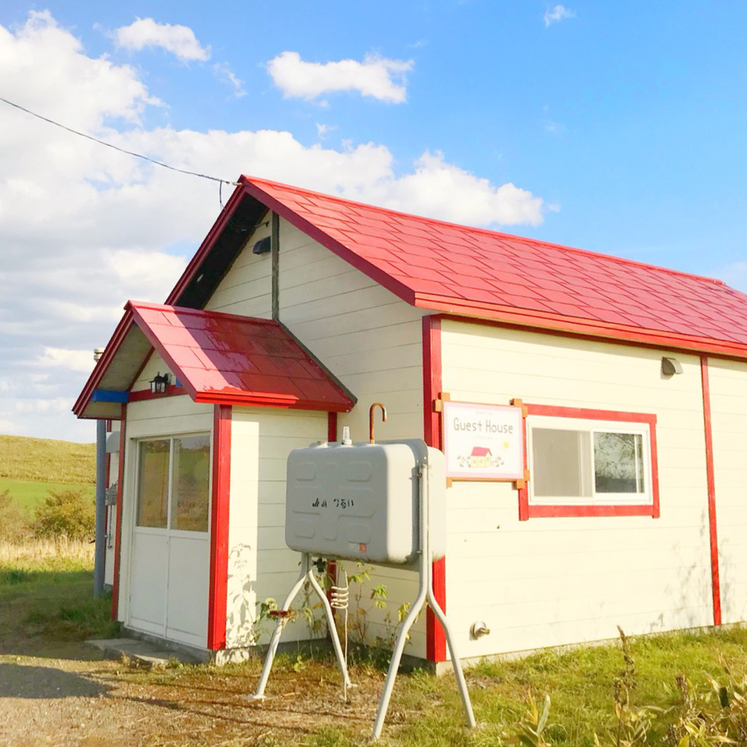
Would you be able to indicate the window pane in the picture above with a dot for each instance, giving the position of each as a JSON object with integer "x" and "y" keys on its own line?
{"x": 560, "y": 463}
{"x": 153, "y": 483}
{"x": 191, "y": 491}
{"x": 618, "y": 463}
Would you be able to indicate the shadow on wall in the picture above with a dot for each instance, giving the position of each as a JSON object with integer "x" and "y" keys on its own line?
{"x": 241, "y": 619}
{"x": 732, "y": 597}
{"x": 31, "y": 682}
{"x": 691, "y": 594}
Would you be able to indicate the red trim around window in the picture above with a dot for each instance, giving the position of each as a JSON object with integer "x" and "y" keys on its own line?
{"x": 432, "y": 386}
{"x": 118, "y": 534}
{"x": 529, "y": 511}
{"x": 221, "y": 496}
{"x": 711, "y": 478}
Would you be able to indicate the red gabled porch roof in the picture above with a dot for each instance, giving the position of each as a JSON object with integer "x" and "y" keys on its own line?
{"x": 222, "y": 359}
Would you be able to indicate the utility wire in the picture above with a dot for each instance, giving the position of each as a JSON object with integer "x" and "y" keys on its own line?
{"x": 117, "y": 148}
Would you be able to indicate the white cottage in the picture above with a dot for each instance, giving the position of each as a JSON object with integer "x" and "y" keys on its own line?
{"x": 626, "y": 383}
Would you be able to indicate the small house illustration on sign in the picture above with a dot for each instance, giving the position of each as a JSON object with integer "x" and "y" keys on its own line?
{"x": 480, "y": 457}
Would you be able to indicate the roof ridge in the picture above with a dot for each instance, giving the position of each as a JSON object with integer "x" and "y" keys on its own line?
{"x": 548, "y": 244}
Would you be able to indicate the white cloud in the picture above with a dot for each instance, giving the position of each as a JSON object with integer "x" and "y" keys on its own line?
{"x": 377, "y": 77}
{"x": 83, "y": 228}
{"x": 179, "y": 40}
{"x": 74, "y": 360}
{"x": 9, "y": 427}
{"x": 556, "y": 14}
{"x": 441, "y": 190}
{"x": 322, "y": 130}
{"x": 223, "y": 72}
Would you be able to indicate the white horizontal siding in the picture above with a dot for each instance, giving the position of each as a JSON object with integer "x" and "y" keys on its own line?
{"x": 370, "y": 340}
{"x": 728, "y": 384}
{"x": 246, "y": 288}
{"x": 260, "y": 565}
{"x": 555, "y": 581}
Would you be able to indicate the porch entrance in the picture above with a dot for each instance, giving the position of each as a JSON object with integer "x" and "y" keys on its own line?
{"x": 170, "y": 559}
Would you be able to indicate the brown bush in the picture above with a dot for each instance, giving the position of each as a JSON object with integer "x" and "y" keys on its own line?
{"x": 66, "y": 513}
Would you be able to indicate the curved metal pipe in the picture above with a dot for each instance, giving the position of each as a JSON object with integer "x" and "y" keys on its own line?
{"x": 371, "y": 419}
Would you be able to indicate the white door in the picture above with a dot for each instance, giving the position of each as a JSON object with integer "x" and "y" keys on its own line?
{"x": 170, "y": 561}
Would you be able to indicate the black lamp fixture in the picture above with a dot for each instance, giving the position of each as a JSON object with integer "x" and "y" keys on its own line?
{"x": 159, "y": 383}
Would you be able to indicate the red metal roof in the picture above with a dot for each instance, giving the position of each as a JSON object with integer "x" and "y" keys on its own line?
{"x": 474, "y": 272}
{"x": 227, "y": 359}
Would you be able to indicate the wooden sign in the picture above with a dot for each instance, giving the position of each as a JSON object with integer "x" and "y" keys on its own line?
{"x": 483, "y": 442}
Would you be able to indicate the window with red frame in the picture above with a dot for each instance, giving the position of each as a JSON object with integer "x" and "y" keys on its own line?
{"x": 586, "y": 463}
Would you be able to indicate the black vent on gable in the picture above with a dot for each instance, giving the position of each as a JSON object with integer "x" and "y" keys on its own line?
{"x": 238, "y": 228}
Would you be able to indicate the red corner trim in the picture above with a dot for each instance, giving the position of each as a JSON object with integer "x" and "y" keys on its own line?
{"x": 711, "y": 477}
{"x": 653, "y": 509}
{"x": 432, "y": 386}
{"x": 118, "y": 535}
{"x": 221, "y": 494}
{"x": 331, "y": 426}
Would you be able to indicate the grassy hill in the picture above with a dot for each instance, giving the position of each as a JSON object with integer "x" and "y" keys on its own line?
{"x": 46, "y": 460}
{"x": 31, "y": 467}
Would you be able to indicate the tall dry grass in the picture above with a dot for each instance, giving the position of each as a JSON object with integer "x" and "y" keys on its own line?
{"x": 36, "y": 553}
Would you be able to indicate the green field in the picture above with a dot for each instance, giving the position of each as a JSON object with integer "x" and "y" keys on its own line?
{"x": 30, "y": 493}
{"x": 47, "y": 460}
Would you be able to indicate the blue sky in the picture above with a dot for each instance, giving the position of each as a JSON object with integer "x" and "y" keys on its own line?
{"x": 612, "y": 127}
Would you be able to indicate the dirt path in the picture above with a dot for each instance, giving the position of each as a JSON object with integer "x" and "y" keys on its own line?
{"x": 66, "y": 695}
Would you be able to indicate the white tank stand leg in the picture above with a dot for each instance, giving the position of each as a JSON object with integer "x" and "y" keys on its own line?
{"x": 455, "y": 662}
{"x": 399, "y": 647}
{"x": 307, "y": 574}
{"x": 275, "y": 640}
{"x": 425, "y": 590}
{"x": 332, "y": 628}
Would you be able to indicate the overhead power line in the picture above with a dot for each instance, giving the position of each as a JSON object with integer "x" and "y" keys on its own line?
{"x": 117, "y": 148}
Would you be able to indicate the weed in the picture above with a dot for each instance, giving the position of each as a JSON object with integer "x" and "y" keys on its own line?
{"x": 531, "y": 729}
{"x": 14, "y": 524}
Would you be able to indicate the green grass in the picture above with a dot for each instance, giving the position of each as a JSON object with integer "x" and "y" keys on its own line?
{"x": 45, "y": 595}
{"x": 28, "y": 494}
{"x": 426, "y": 711}
{"x": 46, "y": 592}
{"x": 47, "y": 460}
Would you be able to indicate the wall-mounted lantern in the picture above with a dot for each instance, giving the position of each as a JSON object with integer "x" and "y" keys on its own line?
{"x": 159, "y": 383}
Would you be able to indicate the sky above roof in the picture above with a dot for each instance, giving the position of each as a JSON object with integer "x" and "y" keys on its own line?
{"x": 617, "y": 128}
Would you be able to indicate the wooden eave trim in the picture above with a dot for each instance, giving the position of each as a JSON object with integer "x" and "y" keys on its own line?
{"x": 104, "y": 362}
{"x": 207, "y": 244}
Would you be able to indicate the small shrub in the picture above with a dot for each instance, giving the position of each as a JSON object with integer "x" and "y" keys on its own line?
{"x": 66, "y": 513}
{"x": 14, "y": 524}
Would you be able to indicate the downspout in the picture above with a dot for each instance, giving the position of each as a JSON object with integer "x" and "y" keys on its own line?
{"x": 99, "y": 563}
{"x": 275, "y": 254}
